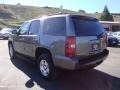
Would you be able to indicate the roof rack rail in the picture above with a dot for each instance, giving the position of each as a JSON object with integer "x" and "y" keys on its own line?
{"x": 59, "y": 13}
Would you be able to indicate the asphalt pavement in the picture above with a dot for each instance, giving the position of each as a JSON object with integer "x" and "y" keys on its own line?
{"x": 20, "y": 75}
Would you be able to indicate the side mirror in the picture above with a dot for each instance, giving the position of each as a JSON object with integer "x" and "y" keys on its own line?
{"x": 15, "y": 32}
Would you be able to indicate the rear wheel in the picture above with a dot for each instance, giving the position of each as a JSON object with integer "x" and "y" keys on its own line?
{"x": 46, "y": 67}
{"x": 11, "y": 51}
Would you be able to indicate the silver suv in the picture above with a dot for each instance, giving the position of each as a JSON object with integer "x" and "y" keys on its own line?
{"x": 65, "y": 41}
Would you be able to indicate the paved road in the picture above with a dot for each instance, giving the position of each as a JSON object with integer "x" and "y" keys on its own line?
{"x": 20, "y": 75}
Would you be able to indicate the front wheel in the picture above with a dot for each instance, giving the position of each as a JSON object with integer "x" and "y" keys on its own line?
{"x": 46, "y": 67}
{"x": 11, "y": 51}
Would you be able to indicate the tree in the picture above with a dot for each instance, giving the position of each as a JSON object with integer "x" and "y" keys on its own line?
{"x": 61, "y": 6}
{"x": 81, "y": 11}
{"x": 18, "y": 4}
{"x": 96, "y": 13}
{"x": 106, "y": 16}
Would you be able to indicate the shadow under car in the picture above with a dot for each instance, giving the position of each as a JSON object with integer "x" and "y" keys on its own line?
{"x": 69, "y": 80}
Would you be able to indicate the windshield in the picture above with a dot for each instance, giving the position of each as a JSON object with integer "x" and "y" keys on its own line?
{"x": 87, "y": 27}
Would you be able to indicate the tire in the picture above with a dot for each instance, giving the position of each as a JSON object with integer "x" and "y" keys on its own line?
{"x": 11, "y": 51}
{"x": 46, "y": 67}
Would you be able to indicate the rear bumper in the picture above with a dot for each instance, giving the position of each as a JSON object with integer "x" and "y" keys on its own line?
{"x": 76, "y": 63}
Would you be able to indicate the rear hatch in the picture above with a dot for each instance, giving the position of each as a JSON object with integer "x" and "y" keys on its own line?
{"x": 90, "y": 36}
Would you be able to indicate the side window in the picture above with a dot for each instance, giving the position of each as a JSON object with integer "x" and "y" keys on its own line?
{"x": 24, "y": 28}
{"x": 55, "y": 26}
{"x": 34, "y": 27}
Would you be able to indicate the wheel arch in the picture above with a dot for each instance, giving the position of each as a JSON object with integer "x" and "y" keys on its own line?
{"x": 10, "y": 42}
{"x": 40, "y": 50}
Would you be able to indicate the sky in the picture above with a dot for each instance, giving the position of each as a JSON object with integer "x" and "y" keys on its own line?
{"x": 90, "y": 6}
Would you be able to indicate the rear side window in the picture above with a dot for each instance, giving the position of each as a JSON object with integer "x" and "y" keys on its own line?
{"x": 55, "y": 26}
{"x": 34, "y": 27}
{"x": 87, "y": 27}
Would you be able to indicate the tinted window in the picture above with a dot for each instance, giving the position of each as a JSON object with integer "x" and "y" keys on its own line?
{"x": 34, "y": 27}
{"x": 87, "y": 27}
{"x": 55, "y": 26}
{"x": 24, "y": 28}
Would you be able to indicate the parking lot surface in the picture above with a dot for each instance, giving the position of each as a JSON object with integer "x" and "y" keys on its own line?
{"x": 20, "y": 75}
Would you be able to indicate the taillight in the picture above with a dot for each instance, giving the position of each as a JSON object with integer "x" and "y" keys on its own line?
{"x": 70, "y": 47}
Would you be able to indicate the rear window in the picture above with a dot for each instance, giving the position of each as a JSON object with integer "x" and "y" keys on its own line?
{"x": 87, "y": 27}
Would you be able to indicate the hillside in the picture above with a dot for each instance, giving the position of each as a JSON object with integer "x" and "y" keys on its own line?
{"x": 19, "y": 13}
{"x": 28, "y": 12}
{"x": 6, "y": 13}
{"x": 12, "y": 15}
